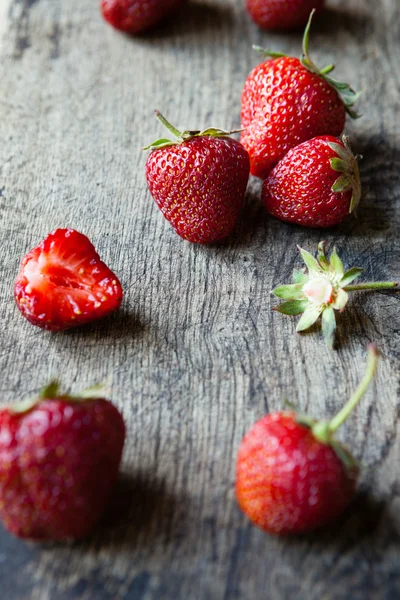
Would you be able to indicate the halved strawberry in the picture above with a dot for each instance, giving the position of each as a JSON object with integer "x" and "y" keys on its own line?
{"x": 63, "y": 283}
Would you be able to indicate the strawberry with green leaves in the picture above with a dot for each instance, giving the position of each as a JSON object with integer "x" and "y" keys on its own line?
{"x": 198, "y": 181}
{"x": 292, "y": 474}
{"x": 317, "y": 183}
{"x": 59, "y": 462}
{"x": 286, "y": 101}
{"x": 321, "y": 291}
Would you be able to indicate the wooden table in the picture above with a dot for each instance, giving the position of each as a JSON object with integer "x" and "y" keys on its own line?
{"x": 196, "y": 354}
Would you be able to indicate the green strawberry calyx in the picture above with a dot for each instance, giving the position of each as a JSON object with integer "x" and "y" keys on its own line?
{"x": 346, "y": 163}
{"x": 348, "y": 95}
{"x": 52, "y": 392}
{"x": 184, "y": 136}
{"x": 321, "y": 291}
{"x": 324, "y": 431}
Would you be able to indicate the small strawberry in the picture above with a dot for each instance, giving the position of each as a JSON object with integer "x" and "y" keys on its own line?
{"x": 292, "y": 475}
{"x": 63, "y": 283}
{"x": 317, "y": 184}
{"x": 286, "y": 101}
{"x": 135, "y": 16}
{"x": 59, "y": 461}
{"x": 198, "y": 182}
{"x": 322, "y": 291}
{"x": 282, "y": 14}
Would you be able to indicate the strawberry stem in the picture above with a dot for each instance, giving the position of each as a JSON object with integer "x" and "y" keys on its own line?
{"x": 348, "y": 95}
{"x": 51, "y": 390}
{"x": 376, "y": 285}
{"x": 342, "y": 415}
{"x": 168, "y": 125}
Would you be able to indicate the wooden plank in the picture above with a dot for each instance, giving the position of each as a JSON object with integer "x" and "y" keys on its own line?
{"x": 196, "y": 354}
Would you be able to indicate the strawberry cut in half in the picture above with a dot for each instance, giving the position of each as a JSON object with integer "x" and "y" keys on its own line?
{"x": 63, "y": 283}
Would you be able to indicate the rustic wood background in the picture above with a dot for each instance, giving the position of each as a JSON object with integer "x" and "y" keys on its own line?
{"x": 196, "y": 354}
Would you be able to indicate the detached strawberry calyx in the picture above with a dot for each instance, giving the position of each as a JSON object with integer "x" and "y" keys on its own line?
{"x": 346, "y": 164}
{"x": 321, "y": 291}
{"x": 348, "y": 95}
{"x": 184, "y": 136}
{"x": 324, "y": 431}
{"x": 52, "y": 392}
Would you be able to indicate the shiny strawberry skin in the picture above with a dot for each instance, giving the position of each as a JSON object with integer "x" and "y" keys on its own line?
{"x": 282, "y": 14}
{"x": 63, "y": 283}
{"x": 135, "y": 16}
{"x": 283, "y": 105}
{"x": 58, "y": 466}
{"x": 287, "y": 481}
{"x": 299, "y": 188}
{"x": 199, "y": 186}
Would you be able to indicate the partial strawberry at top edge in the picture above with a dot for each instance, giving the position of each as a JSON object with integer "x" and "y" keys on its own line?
{"x": 284, "y": 15}
{"x": 136, "y": 16}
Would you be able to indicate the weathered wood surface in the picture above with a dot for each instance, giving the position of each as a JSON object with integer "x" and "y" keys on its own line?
{"x": 196, "y": 354}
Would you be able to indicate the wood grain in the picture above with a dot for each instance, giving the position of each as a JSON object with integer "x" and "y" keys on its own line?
{"x": 196, "y": 354}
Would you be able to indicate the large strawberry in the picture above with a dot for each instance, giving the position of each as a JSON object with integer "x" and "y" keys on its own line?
{"x": 292, "y": 475}
{"x": 63, "y": 283}
{"x": 198, "y": 182}
{"x": 287, "y": 101}
{"x": 135, "y": 16}
{"x": 316, "y": 184}
{"x": 282, "y": 14}
{"x": 59, "y": 461}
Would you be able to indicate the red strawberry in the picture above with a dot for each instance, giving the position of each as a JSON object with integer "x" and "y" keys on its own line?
{"x": 63, "y": 283}
{"x": 134, "y": 16}
{"x": 317, "y": 184}
{"x": 198, "y": 182}
{"x": 282, "y": 14}
{"x": 292, "y": 475}
{"x": 287, "y": 101}
{"x": 59, "y": 461}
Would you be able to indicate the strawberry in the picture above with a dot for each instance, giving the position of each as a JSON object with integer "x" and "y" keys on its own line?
{"x": 135, "y": 16}
{"x": 292, "y": 475}
{"x": 286, "y": 101}
{"x": 198, "y": 182}
{"x": 59, "y": 461}
{"x": 323, "y": 290}
{"x": 63, "y": 283}
{"x": 282, "y": 14}
{"x": 317, "y": 184}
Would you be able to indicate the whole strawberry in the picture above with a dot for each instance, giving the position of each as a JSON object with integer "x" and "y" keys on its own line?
{"x": 292, "y": 475}
{"x": 63, "y": 283}
{"x": 282, "y": 14}
{"x": 135, "y": 16}
{"x": 286, "y": 101}
{"x": 59, "y": 462}
{"x": 317, "y": 184}
{"x": 198, "y": 182}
